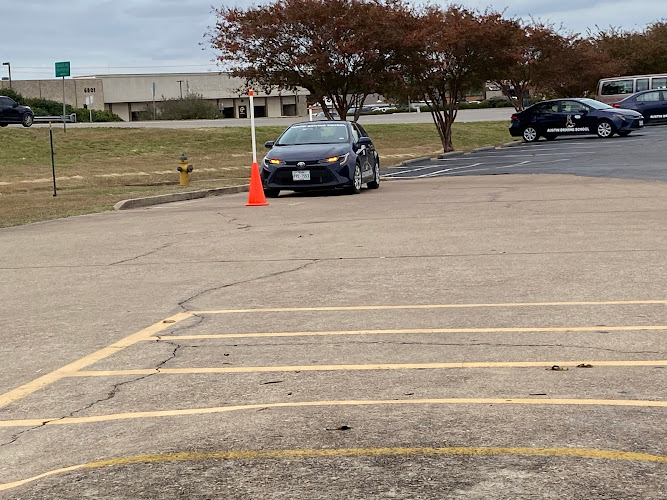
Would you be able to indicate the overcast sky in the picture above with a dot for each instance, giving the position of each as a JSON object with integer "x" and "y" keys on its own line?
{"x": 164, "y": 36}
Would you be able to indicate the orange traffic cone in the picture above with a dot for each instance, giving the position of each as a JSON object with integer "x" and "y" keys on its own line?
{"x": 256, "y": 196}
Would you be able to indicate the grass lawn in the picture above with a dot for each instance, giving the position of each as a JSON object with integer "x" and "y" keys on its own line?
{"x": 97, "y": 167}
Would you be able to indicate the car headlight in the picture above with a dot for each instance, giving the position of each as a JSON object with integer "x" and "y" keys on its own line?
{"x": 341, "y": 159}
{"x": 271, "y": 161}
{"x": 620, "y": 117}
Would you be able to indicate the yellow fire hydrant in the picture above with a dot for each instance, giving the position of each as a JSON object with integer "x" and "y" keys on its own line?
{"x": 184, "y": 171}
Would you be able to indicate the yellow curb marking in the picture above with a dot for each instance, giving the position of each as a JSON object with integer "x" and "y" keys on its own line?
{"x": 67, "y": 370}
{"x": 348, "y": 452}
{"x": 414, "y": 331}
{"x": 226, "y": 409}
{"x": 377, "y": 366}
{"x": 433, "y": 306}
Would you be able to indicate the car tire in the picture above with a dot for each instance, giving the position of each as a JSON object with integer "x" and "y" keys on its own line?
{"x": 375, "y": 183}
{"x": 530, "y": 134}
{"x": 3, "y": 124}
{"x": 271, "y": 193}
{"x": 550, "y": 137}
{"x": 624, "y": 134}
{"x": 605, "y": 129}
{"x": 356, "y": 180}
{"x": 27, "y": 120}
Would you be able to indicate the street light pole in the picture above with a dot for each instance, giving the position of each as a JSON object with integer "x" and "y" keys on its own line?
{"x": 9, "y": 68}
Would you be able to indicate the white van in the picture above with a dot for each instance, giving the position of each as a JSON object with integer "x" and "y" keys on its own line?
{"x": 611, "y": 90}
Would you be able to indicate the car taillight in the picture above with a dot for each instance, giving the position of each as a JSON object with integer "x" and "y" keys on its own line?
{"x": 616, "y": 105}
{"x": 514, "y": 117}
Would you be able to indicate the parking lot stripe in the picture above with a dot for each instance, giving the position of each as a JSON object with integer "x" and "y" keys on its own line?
{"x": 433, "y": 306}
{"x": 415, "y": 331}
{"x": 67, "y": 370}
{"x": 347, "y": 452}
{"x": 372, "y": 366}
{"x": 305, "y": 404}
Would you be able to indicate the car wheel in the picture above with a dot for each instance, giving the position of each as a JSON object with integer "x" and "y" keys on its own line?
{"x": 3, "y": 124}
{"x": 550, "y": 137}
{"x": 271, "y": 193}
{"x": 375, "y": 183}
{"x": 605, "y": 129}
{"x": 356, "y": 180}
{"x": 27, "y": 120}
{"x": 530, "y": 134}
{"x": 624, "y": 134}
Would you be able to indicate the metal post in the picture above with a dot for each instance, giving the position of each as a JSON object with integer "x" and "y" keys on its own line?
{"x": 180, "y": 87}
{"x": 153, "y": 101}
{"x": 9, "y": 68}
{"x": 53, "y": 164}
{"x": 64, "y": 126}
{"x": 252, "y": 127}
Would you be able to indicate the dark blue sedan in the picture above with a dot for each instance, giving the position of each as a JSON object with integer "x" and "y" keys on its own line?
{"x": 652, "y": 104}
{"x": 321, "y": 155}
{"x": 556, "y": 117}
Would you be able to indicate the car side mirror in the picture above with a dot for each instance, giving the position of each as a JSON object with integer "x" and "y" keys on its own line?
{"x": 269, "y": 144}
{"x": 364, "y": 141}
{"x": 15, "y": 105}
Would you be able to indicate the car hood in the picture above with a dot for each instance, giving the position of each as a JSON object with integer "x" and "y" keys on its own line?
{"x": 307, "y": 152}
{"x": 625, "y": 112}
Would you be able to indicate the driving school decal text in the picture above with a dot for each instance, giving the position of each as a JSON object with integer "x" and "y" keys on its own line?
{"x": 568, "y": 129}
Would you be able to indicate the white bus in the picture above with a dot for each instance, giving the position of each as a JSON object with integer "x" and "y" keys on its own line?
{"x": 611, "y": 90}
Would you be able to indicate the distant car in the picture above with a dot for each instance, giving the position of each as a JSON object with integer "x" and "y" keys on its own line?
{"x": 321, "y": 155}
{"x": 384, "y": 109}
{"x": 549, "y": 119}
{"x": 12, "y": 112}
{"x": 652, "y": 104}
{"x": 322, "y": 115}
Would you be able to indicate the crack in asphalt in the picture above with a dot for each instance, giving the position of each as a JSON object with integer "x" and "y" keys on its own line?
{"x": 309, "y": 262}
{"x": 166, "y": 245}
{"x": 110, "y": 395}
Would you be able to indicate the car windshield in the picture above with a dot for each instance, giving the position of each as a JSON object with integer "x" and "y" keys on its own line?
{"x": 596, "y": 104}
{"x": 314, "y": 133}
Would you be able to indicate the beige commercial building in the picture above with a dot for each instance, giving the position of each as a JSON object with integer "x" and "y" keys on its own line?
{"x": 128, "y": 95}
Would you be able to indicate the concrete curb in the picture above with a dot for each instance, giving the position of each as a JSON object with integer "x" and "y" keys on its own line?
{"x": 451, "y": 154}
{"x": 414, "y": 160}
{"x": 169, "y": 198}
{"x": 511, "y": 144}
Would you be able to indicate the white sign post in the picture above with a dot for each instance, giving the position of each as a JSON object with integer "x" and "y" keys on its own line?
{"x": 89, "y": 102}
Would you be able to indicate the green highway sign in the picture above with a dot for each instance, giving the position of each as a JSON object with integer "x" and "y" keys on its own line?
{"x": 62, "y": 69}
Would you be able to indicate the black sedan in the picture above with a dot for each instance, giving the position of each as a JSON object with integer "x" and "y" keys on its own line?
{"x": 652, "y": 104}
{"x": 549, "y": 119}
{"x": 321, "y": 155}
{"x": 12, "y": 112}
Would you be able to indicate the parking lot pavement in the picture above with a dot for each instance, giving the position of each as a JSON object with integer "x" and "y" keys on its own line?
{"x": 638, "y": 156}
{"x": 468, "y": 337}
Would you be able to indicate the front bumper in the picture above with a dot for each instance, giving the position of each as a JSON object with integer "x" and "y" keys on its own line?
{"x": 322, "y": 176}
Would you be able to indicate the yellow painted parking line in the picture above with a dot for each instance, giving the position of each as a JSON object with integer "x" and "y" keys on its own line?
{"x": 304, "y": 404}
{"x": 348, "y": 452}
{"x": 435, "y": 306}
{"x": 386, "y": 331}
{"x": 67, "y": 370}
{"x": 376, "y": 366}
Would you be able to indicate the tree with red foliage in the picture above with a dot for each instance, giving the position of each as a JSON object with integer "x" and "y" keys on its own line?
{"x": 339, "y": 50}
{"x": 447, "y": 54}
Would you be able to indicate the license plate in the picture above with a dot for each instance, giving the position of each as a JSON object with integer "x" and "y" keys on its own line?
{"x": 300, "y": 175}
